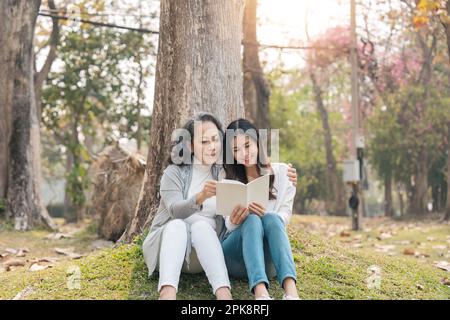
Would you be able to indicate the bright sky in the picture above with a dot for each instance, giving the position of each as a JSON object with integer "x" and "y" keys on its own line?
{"x": 282, "y": 22}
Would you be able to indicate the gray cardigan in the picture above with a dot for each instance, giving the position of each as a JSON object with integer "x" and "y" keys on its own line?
{"x": 175, "y": 204}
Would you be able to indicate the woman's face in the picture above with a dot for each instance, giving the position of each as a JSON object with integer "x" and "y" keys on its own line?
{"x": 245, "y": 150}
{"x": 206, "y": 144}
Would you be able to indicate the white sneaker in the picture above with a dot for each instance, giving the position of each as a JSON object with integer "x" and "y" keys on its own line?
{"x": 287, "y": 297}
{"x": 264, "y": 298}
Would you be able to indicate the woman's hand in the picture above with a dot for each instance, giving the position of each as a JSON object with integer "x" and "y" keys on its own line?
{"x": 257, "y": 209}
{"x": 292, "y": 174}
{"x": 209, "y": 190}
{"x": 238, "y": 215}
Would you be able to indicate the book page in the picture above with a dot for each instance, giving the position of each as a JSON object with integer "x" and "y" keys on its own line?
{"x": 258, "y": 191}
{"x": 229, "y": 195}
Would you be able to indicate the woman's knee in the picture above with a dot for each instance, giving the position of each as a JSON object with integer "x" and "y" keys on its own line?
{"x": 271, "y": 222}
{"x": 202, "y": 231}
{"x": 176, "y": 226}
{"x": 201, "y": 227}
{"x": 252, "y": 222}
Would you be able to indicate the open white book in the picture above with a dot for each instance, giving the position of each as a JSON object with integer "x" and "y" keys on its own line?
{"x": 230, "y": 193}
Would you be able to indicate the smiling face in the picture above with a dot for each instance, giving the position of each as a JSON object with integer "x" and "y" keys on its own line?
{"x": 206, "y": 143}
{"x": 245, "y": 150}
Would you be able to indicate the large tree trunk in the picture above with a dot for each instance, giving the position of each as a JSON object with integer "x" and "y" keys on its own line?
{"x": 17, "y": 21}
{"x": 198, "y": 69}
{"x": 388, "y": 209}
{"x": 6, "y": 85}
{"x": 335, "y": 197}
{"x": 256, "y": 88}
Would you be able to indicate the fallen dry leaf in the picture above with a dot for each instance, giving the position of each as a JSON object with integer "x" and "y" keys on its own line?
{"x": 4, "y": 255}
{"x": 384, "y": 235}
{"x": 445, "y": 281}
{"x": 22, "y": 294}
{"x": 68, "y": 252}
{"x": 419, "y": 286}
{"x": 409, "y": 251}
{"x": 439, "y": 247}
{"x": 38, "y": 267}
{"x": 344, "y": 233}
{"x": 45, "y": 259}
{"x": 58, "y": 236}
{"x": 13, "y": 263}
{"x": 21, "y": 253}
{"x": 444, "y": 265}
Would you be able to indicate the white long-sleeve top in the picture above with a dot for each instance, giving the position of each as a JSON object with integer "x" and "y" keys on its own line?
{"x": 201, "y": 174}
{"x": 284, "y": 191}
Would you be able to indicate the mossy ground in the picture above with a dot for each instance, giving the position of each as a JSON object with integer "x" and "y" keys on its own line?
{"x": 328, "y": 267}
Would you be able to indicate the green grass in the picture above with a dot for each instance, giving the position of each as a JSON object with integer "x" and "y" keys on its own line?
{"x": 326, "y": 270}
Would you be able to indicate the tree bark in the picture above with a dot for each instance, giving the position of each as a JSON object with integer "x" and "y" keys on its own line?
{"x": 256, "y": 88}
{"x": 335, "y": 196}
{"x": 198, "y": 69}
{"x": 6, "y": 85}
{"x": 18, "y": 20}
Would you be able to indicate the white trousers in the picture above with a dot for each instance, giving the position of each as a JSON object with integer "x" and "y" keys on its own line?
{"x": 206, "y": 247}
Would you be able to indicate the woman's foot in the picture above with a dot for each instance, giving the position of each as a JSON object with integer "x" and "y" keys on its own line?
{"x": 261, "y": 292}
{"x": 223, "y": 293}
{"x": 290, "y": 289}
{"x": 168, "y": 293}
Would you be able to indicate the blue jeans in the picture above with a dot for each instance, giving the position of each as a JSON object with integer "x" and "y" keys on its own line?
{"x": 259, "y": 248}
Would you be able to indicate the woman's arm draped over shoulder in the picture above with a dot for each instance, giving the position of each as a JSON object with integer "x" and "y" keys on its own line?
{"x": 287, "y": 197}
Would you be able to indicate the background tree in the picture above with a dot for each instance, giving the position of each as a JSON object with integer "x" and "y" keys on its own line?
{"x": 256, "y": 88}
{"x": 92, "y": 100}
{"x": 329, "y": 49}
{"x": 198, "y": 69}
{"x": 17, "y": 25}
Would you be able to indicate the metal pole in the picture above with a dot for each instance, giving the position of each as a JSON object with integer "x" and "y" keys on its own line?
{"x": 356, "y": 212}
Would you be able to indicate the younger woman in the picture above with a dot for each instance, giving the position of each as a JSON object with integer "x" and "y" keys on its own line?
{"x": 257, "y": 241}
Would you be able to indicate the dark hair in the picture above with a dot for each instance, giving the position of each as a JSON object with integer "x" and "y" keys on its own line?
{"x": 182, "y": 142}
{"x": 236, "y": 171}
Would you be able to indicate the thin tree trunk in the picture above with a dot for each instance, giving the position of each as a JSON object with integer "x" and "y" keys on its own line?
{"x": 400, "y": 200}
{"x": 198, "y": 69}
{"x": 388, "y": 209}
{"x": 335, "y": 196}
{"x": 39, "y": 80}
{"x": 447, "y": 210}
{"x": 420, "y": 188}
{"x": 256, "y": 88}
{"x": 68, "y": 206}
